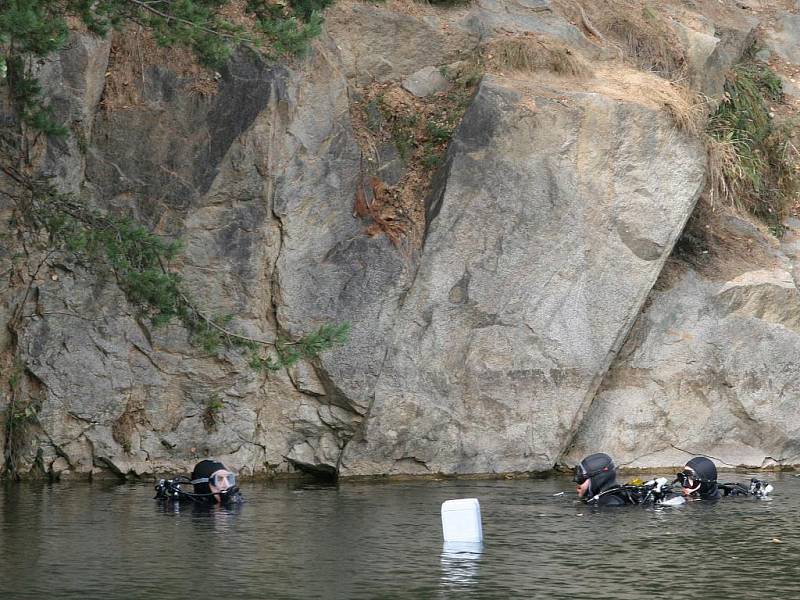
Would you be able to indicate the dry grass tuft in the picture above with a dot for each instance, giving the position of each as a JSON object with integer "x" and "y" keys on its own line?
{"x": 419, "y": 129}
{"x": 133, "y": 52}
{"x": 724, "y": 167}
{"x": 689, "y": 110}
{"x": 530, "y": 53}
{"x": 638, "y": 29}
{"x": 374, "y": 202}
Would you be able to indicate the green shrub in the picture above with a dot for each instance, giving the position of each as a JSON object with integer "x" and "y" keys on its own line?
{"x": 140, "y": 261}
{"x": 211, "y": 413}
{"x": 22, "y": 413}
{"x": 752, "y": 161}
{"x": 32, "y": 29}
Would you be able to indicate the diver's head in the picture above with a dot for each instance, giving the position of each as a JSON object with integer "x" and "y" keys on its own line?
{"x": 595, "y": 474}
{"x": 699, "y": 475}
{"x": 211, "y": 477}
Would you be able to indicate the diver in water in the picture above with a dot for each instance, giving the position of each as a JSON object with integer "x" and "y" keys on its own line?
{"x": 597, "y": 485}
{"x": 596, "y": 479}
{"x": 211, "y": 480}
{"x": 212, "y": 483}
{"x": 699, "y": 481}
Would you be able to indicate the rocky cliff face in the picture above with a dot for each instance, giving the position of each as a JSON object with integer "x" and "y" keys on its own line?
{"x": 512, "y": 327}
{"x": 538, "y": 257}
{"x": 709, "y": 366}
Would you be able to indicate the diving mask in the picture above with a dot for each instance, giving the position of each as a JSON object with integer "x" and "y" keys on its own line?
{"x": 580, "y": 475}
{"x": 685, "y": 478}
{"x": 222, "y": 480}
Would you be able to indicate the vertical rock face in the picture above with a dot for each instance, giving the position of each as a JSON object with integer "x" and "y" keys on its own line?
{"x": 328, "y": 270}
{"x": 545, "y": 237}
{"x": 710, "y": 368}
{"x": 557, "y": 205}
{"x": 74, "y": 80}
{"x": 257, "y": 178}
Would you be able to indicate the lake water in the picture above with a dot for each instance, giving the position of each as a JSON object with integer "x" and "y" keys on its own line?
{"x": 297, "y": 541}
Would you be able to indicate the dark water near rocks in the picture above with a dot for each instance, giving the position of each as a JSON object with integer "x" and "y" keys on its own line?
{"x": 384, "y": 541}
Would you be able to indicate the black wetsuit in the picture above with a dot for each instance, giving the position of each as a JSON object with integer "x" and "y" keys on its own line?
{"x": 603, "y": 489}
{"x": 622, "y": 495}
{"x": 615, "y": 495}
{"x": 708, "y": 491}
{"x": 733, "y": 489}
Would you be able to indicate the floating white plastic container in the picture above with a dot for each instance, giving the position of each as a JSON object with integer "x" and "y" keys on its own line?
{"x": 461, "y": 521}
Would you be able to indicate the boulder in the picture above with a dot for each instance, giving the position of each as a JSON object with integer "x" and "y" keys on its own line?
{"x": 712, "y": 48}
{"x": 784, "y": 39}
{"x": 696, "y": 385}
{"x": 488, "y": 18}
{"x": 378, "y": 43}
{"x": 426, "y": 82}
{"x": 551, "y": 221}
{"x": 790, "y": 87}
{"x": 709, "y": 368}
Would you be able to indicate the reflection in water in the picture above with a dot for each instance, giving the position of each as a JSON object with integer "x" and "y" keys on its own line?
{"x": 368, "y": 541}
{"x": 219, "y": 512}
{"x": 460, "y": 562}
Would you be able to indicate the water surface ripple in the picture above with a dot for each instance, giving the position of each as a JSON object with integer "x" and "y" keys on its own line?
{"x": 291, "y": 541}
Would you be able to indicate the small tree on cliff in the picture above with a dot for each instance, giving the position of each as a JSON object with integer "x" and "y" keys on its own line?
{"x": 33, "y": 29}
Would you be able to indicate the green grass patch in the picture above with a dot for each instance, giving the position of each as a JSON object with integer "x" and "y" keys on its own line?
{"x": 752, "y": 161}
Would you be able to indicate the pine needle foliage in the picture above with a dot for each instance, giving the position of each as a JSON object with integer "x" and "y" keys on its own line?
{"x": 753, "y": 162}
{"x": 33, "y": 29}
{"x": 140, "y": 262}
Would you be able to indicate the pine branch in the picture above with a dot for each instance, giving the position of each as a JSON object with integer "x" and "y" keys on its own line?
{"x": 168, "y": 17}
{"x": 139, "y": 260}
